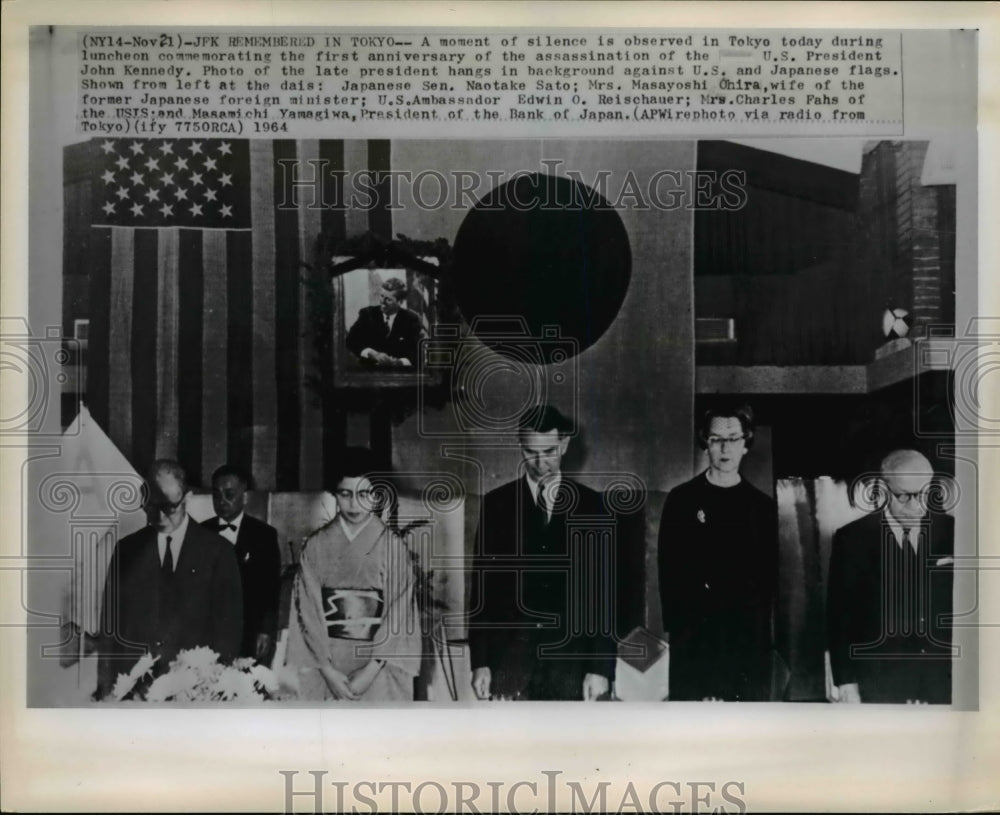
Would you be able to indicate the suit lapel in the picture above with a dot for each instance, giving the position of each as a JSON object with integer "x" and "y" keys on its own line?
{"x": 382, "y": 327}
{"x": 151, "y": 552}
{"x": 530, "y": 512}
{"x": 242, "y": 536}
{"x": 242, "y": 545}
{"x": 191, "y": 552}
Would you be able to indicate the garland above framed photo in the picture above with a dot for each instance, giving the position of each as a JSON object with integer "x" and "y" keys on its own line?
{"x": 382, "y": 299}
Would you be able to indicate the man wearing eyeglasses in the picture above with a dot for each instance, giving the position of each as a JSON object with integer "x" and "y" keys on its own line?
{"x": 717, "y": 569}
{"x": 890, "y": 593}
{"x": 171, "y": 586}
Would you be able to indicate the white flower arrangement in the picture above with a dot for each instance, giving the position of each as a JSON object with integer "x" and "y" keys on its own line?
{"x": 196, "y": 675}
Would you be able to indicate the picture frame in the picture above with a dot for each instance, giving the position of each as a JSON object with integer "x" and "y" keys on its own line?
{"x": 355, "y": 296}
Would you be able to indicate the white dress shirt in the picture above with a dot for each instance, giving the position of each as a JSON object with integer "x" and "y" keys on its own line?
{"x": 898, "y": 531}
{"x": 231, "y": 534}
{"x": 176, "y": 541}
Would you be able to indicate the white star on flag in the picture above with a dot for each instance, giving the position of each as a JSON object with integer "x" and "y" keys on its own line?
{"x": 159, "y": 183}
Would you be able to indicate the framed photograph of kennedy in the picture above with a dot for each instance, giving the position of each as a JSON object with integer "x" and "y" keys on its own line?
{"x": 381, "y": 318}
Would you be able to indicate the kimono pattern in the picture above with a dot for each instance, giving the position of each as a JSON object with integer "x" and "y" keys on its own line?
{"x": 353, "y": 602}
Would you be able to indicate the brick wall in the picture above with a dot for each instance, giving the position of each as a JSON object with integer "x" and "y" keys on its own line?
{"x": 912, "y": 226}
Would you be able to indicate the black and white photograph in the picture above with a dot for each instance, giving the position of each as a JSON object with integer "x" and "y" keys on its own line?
{"x": 441, "y": 418}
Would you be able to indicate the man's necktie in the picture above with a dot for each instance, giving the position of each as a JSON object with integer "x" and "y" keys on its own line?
{"x": 543, "y": 503}
{"x": 910, "y": 592}
{"x": 223, "y": 526}
{"x": 168, "y": 559}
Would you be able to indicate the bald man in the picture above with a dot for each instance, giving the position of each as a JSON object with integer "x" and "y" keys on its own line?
{"x": 890, "y": 594}
{"x": 171, "y": 586}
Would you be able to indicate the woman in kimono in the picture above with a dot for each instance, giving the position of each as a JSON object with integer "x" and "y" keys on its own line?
{"x": 354, "y": 633}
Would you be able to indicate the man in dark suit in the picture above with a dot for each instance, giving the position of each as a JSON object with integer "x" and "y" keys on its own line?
{"x": 170, "y": 586}
{"x": 256, "y": 547}
{"x": 889, "y": 596}
{"x": 541, "y": 615}
{"x": 386, "y": 335}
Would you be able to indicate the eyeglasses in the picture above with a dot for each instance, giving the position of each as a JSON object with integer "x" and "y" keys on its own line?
{"x": 718, "y": 441}
{"x": 165, "y": 507}
{"x": 361, "y": 495}
{"x": 909, "y": 497}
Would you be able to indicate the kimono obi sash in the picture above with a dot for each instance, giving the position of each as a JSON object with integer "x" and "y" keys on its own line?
{"x": 352, "y": 614}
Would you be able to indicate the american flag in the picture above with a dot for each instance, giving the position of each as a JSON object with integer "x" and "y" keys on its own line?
{"x": 198, "y": 344}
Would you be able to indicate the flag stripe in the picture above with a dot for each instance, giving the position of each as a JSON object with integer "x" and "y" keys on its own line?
{"x": 310, "y": 475}
{"x": 332, "y": 215}
{"x": 98, "y": 369}
{"x": 379, "y": 215}
{"x": 355, "y": 161}
{"x": 286, "y": 334}
{"x": 239, "y": 301}
{"x": 119, "y": 420}
{"x": 265, "y": 409}
{"x": 214, "y": 353}
{"x": 334, "y": 223}
{"x": 166, "y": 344}
{"x": 145, "y": 311}
{"x": 190, "y": 307}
